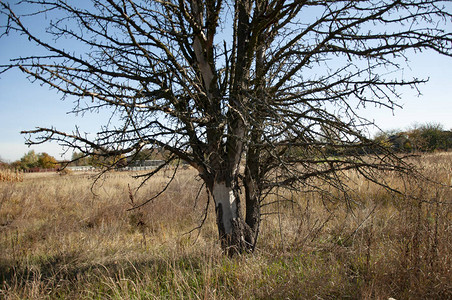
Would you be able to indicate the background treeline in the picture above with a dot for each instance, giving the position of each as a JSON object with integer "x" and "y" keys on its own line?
{"x": 427, "y": 137}
{"x": 423, "y": 138}
{"x": 101, "y": 160}
{"x": 33, "y": 161}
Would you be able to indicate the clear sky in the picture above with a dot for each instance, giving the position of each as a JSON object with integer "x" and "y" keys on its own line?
{"x": 25, "y": 105}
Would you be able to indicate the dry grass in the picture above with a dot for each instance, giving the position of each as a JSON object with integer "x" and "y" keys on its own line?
{"x": 7, "y": 175}
{"x": 60, "y": 240}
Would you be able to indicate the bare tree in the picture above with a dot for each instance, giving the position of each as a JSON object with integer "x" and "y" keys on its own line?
{"x": 254, "y": 94}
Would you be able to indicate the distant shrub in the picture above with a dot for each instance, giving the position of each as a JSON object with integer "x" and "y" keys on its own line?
{"x": 429, "y": 137}
{"x": 64, "y": 171}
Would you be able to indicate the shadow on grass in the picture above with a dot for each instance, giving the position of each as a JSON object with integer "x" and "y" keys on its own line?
{"x": 67, "y": 274}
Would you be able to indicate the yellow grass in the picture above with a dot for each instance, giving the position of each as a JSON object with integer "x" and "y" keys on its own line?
{"x": 61, "y": 237}
{"x": 7, "y": 175}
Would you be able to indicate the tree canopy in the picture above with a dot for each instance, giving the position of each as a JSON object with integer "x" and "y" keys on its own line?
{"x": 248, "y": 92}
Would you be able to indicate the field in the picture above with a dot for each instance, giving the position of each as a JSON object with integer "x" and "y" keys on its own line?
{"x": 62, "y": 237}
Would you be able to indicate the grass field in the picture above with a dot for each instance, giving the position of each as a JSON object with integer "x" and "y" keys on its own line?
{"x": 61, "y": 240}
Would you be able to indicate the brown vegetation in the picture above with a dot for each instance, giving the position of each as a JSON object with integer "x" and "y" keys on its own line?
{"x": 60, "y": 240}
{"x": 7, "y": 175}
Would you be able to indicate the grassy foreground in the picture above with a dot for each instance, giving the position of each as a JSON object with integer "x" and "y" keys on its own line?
{"x": 58, "y": 239}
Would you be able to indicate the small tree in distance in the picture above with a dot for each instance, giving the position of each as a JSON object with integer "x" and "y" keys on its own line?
{"x": 29, "y": 160}
{"x": 430, "y": 137}
{"x": 249, "y": 92}
{"x": 47, "y": 161}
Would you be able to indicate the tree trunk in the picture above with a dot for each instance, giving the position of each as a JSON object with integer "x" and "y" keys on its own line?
{"x": 233, "y": 231}
{"x": 252, "y": 197}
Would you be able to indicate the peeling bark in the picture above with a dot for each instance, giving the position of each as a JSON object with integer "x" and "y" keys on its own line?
{"x": 226, "y": 203}
{"x": 235, "y": 235}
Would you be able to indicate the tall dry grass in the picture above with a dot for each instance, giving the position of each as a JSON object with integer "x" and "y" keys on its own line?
{"x": 60, "y": 240}
{"x": 7, "y": 175}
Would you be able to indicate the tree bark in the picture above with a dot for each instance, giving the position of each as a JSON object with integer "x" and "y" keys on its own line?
{"x": 252, "y": 196}
{"x": 234, "y": 233}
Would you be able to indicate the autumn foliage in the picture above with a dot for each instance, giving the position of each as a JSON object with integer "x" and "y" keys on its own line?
{"x": 32, "y": 161}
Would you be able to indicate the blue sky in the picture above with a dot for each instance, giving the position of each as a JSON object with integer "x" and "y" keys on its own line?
{"x": 24, "y": 105}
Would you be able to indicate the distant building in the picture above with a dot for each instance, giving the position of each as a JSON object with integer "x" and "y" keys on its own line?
{"x": 142, "y": 165}
{"x": 139, "y": 165}
{"x": 81, "y": 168}
{"x": 146, "y": 163}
